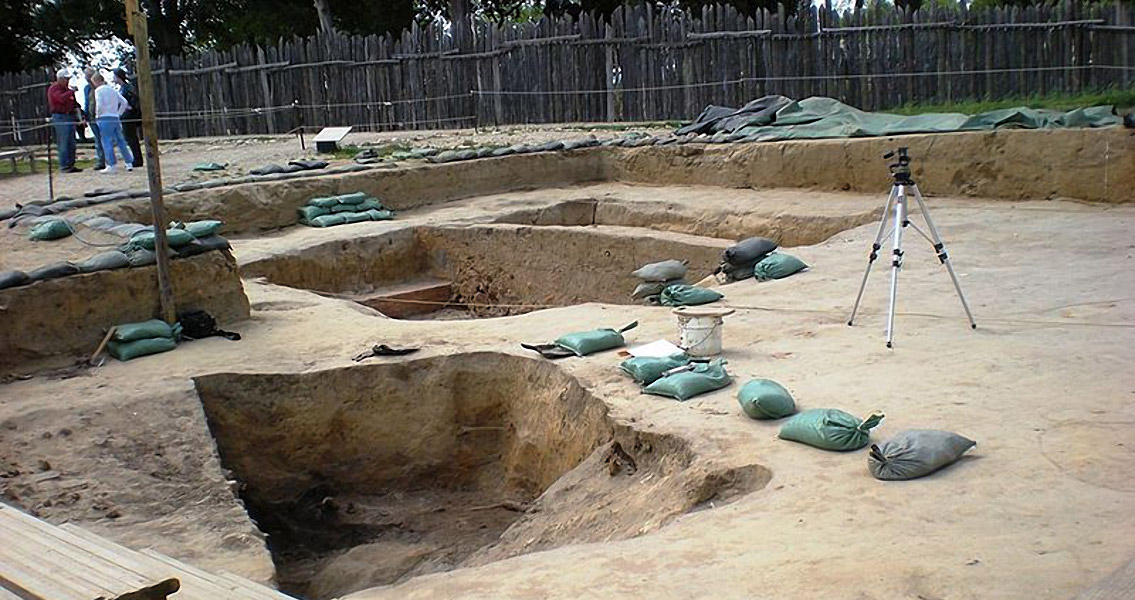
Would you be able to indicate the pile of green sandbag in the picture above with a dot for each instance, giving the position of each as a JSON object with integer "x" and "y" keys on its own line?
{"x": 347, "y": 208}
{"x": 185, "y": 239}
{"x": 694, "y": 379}
{"x": 676, "y": 376}
{"x": 133, "y": 340}
{"x": 738, "y": 260}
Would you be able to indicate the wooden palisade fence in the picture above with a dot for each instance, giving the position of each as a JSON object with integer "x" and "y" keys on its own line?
{"x": 639, "y": 66}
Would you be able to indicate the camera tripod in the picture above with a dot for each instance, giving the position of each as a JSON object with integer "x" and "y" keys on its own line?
{"x": 898, "y": 212}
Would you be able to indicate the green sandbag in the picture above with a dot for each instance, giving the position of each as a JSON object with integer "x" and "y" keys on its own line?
{"x": 380, "y": 215}
{"x": 129, "y": 332}
{"x": 368, "y": 204}
{"x": 688, "y": 295}
{"x": 329, "y": 220}
{"x": 702, "y": 378}
{"x": 344, "y": 208}
{"x": 765, "y": 399}
{"x": 131, "y": 350}
{"x": 355, "y": 217}
{"x": 352, "y": 198}
{"x": 209, "y": 166}
{"x": 52, "y": 229}
{"x": 829, "y": 429}
{"x": 777, "y": 266}
{"x": 175, "y": 237}
{"x": 589, "y": 342}
{"x": 307, "y": 213}
{"x": 645, "y": 370}
{"x": 206, "y": 228}
{"x": 324, "y": 202}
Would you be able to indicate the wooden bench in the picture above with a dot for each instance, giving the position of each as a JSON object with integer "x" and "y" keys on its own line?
{"x": 42, "y": 561}
{"x": 14, "y": 154}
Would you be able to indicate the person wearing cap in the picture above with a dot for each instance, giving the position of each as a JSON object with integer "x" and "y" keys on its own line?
{"x": 132, "y": 118}
{"x": 109, "y": 108}
{"x": 64, "y": 116}
{"x": 89, "y": 116}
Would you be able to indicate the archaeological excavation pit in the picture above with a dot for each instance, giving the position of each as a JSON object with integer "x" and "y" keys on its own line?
{"x": 372, "y": 474}
{"x": 563, "y": 254}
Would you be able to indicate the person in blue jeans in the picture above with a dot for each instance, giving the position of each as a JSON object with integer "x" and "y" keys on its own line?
{"x": 109, "y": 107}
{"x": 64, "y": 116}
{"x": 89, "y": 115}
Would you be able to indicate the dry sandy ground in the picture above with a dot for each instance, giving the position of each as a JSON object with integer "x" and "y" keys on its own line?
{"x": 1044, "y": 506}
{"x": 248, "y": 152}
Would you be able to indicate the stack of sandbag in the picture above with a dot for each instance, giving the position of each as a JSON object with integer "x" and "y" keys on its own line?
{"x": 738, "y": 260}
{"x": 645, "y": 370}
{"x": 347, "y": 208}
{"x": 656, "y": 277}
{"x": 132, "y": 340}
{"x": 184, "y": 239}
{"x": 693, "y": 379}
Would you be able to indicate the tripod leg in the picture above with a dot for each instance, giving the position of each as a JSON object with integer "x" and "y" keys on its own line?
{"x": 940, "y": 248}
{"x": 896, "y": 262}
{"x": 874, "y": 254}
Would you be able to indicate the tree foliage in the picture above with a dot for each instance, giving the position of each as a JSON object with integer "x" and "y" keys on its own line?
{"x": 35, "y": 33}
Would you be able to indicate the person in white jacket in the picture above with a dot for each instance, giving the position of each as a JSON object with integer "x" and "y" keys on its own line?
{"x": 109, "y": 107}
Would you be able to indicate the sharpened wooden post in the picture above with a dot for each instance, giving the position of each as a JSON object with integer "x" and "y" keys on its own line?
{"x": 136, "y": 23}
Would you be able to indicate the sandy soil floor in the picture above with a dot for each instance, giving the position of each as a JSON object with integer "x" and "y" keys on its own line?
{"x": 1043, "y": 507}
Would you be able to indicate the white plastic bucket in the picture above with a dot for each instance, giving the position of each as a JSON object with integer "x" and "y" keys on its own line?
{"x": 699, "y": 330}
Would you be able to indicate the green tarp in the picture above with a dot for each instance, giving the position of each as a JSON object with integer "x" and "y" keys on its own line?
{"x": 819, "y": 117}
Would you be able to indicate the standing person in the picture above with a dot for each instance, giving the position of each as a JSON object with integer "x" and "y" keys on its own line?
{"x": 132, "y": 119}
{"x": 89, "y": 115}
{"x": 64, "y": 116}
{"x": 109, "y": 107}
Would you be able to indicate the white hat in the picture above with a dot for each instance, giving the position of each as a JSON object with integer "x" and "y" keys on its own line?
{"x": 63, "y": 74}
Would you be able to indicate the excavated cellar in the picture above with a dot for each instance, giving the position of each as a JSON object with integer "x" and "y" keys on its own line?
{"x": 372, "y": 474}
{"x": 567, "y": 253}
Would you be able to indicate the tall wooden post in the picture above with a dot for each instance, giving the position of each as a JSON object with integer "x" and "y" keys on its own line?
{"x": 136, "y": 23}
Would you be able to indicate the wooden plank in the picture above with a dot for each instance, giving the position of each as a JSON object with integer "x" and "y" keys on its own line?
{"x": 198, "y": 584}
{"x": 49, "y": 556}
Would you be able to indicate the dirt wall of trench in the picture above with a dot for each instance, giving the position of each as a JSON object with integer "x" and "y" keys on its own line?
{"x": 1084, "y": 164}
{"x": 271, "y": 205}
{"x": 492, "y": 421}
{"x": 67, "y": 317}
{"x": 493, "y": 264}
{"x": 516, "y": 264}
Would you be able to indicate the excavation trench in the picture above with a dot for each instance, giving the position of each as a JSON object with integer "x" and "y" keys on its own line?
{"x": 488, "y": 270}
{"x": 562, "y": 254}
{"x": 371, "y": 474}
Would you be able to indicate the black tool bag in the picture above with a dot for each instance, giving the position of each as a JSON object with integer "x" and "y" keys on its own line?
{"x": 198, "y": 324}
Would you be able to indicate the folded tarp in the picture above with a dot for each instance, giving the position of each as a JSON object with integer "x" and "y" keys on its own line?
{"x": 777, "y": 118}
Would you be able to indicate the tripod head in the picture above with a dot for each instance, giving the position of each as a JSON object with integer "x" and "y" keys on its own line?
{"x": 900, "y": 169}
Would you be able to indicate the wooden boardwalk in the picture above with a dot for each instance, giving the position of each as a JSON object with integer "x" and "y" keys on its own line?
{"x": 41, "y": 561}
